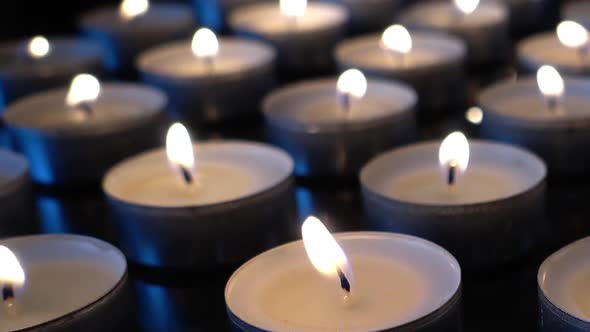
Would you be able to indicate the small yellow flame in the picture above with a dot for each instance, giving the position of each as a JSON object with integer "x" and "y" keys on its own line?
{"x": 11, "y": 271}
{"x": 293, "y": 8}
{"x": 572, "y": 34}
{"x": 130, "y": 9}
{"x": 179, "y": 147}
{"x": 397, "y": 38}
{"x": 454, "y": 151}
{"x": 323, "y": 251}
{"x": 205, "y": 44}
{"x": 550, "y": 82}
{"x": 352, "y": 82}
{"x": 466, "y": 6}
{"x": 84, "y": 88}
{"x": 38, "y": 47}
{"x": 474, "y": 115}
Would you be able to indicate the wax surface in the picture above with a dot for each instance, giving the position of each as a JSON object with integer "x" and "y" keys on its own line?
{"x": 580, "y": 292}
{"x": 443, "y": 14}
{"x": 547, "y": 49}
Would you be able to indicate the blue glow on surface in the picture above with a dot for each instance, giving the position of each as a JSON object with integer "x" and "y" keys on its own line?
{"x": 305, "y": 205}
{"x": 156, "y": 308}
{"x": 52, "y": 215}
{"x": 209, "y": 14}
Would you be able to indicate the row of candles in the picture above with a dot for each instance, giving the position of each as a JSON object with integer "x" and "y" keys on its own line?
{"x": 222, "y": 202}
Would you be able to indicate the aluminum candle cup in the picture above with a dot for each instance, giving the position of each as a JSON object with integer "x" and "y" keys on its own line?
{"x": 214, "y": 13}
{"x": 230, "y": 85}
{"x": 577, "y": 11}
{"x": 402, "y": 283}
{"x": 58, "y": 139}
{"x": 16, "y": 215}
{"x": 242, "y": 203}
{"x": 307, "y": 120}
{"x": 123, "y": 38}
{"x": 487, "y": 218}
{"x": 71, "y": 283}
{"x": 516, "y": 112}
{"x": 22, "y": 74}
{"x": 367, "y": 16}
{"x": 546, "y": 49}
{"x": 485, "y": 30}
{"x": 304, "y": 43}
{"x": 434, "y": 67}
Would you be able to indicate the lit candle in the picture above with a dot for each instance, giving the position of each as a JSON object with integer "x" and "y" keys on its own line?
{"x": 133, "y": 27}
{"x": 205, "y": 205}
{"x": 360, "y": 281}
{"x": 303, "y": 33}
{"x": 483, "y": 26}
{"x": 547, "y": 114}
{"x": 333, "y": 127}
{"x": 39, "y": 63}
{"x": 16, "y": 215}
{"x": 61, "y": 282}
{"x": 479, "y": 200}
{"x": 432, "y": 63}
{"x": 368, "y": 16}
{"x": 85, "y": 124}
{"x": 205, "y": 78}
{"x": 565, "y": 49}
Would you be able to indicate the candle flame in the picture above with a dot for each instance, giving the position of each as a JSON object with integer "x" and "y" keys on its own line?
{"x": 84, "y": 88}
{"x": 550, "y": 82}
{"x": 179, "y": 147}
{"x": 397, "y": 38}
{"x": 205, "y": 43}
{"x": 38, "y": 47}
{"x": 474, "y": 115}
{"x": 466, "y": 6}
{"x": 454, "y": 152}
{"x": 572, "y": 34}
{"x": 130, "y": 9}
{"x": 293, "y": 8}
{"x": 11, "y": 272}
{"x": 323, "y": 251}
{"x": 352, "y": 82}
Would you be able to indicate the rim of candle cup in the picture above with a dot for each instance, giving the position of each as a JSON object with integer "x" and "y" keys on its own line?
{"x": 545, "y": 48}
{"x": 74, "y": 246}
{"x": 424, "y": 14}
{"x": 15, "y": 168}
{"x": 156, "y": 60}
{"x": 554, "y": 270}
{"x": 374, "y": 174}
{"x": 287, "y": 250}
{"x": 503, "y": 91}
{"x": 152, "y": 101}
{"x": 402, "y": 97}
{"x": 444, "y": 47}
{"x": 157, "y": 158}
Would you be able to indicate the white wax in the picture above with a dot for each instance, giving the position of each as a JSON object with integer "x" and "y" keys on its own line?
{"x": 545, "y": 48}
{"x": 225, "y": 171}
{"x": 444, "y": 15}
{"x": 398, "y": 279}
{"x": 412, "y": 174}
{"x": 564, "y": 278}
{"x": 235, "y": 56}
{"x": 64, "y": 273}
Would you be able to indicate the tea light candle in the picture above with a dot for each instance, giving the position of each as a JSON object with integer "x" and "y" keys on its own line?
{"x": 15, "y": 195}
{"x": 38, "y": 64}
{"x": 205, "y": 79}
{"x": 567, "y": 50}
{"x": 214, "y": 13}
{"x": 134, "y": 27}
{"x": 432, "y": 63}
{"x": 577, "y": 11}
{"x": 548, "y": 115}
{"x": 563, "y": 289}
{"x": 303, "y": 34}
{"x": 217, "y": 207}
{"x": 483, "y": 26}
{"x": 333, "y": 127}
{"x": 365, "y": 281}
{"x": 87, "y": 124}
{"x": 61, "y": 282}
{"x": 479, "y": 200}
{"x": 367, "y": 16}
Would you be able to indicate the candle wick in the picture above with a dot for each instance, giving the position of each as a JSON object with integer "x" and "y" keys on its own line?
{"x": 186, "y": 175}
{"x": 209, "y": 63}
{"x": 344, "y": 283}
{"x": 552, "y": 103}
{"x": 8, "y": 298}
{"x": 452, "y": 175}
{"x": 345, "y": 101}
{"x": 86, "y": 108}
{"x": 292, "y": 22}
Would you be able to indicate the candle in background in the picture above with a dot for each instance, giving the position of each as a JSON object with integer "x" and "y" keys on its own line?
{"x": 303, "y": 34}
{"x": 133, "y": 27}
{"x": 549, "y": 115}
{"x": 432, "y": 63}
{"x": 62, "y": 282}
{"x": 39, "y": 64}
{"x": 359, "y": 281}
{"x": 16, "y": 201}
{"x": 482, "y": 201}
{"x": 368, "y": 16}
{"x": 483, "y": 26}
{"x": 86, "y": 124}
{"x": 331, "y": 127}
{"x": 577, "y": 11}
{"x": 208, "y": 209}
{"x": 209, "y": 80}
